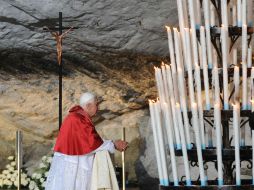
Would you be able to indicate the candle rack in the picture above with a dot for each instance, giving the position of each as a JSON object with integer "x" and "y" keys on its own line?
{"x": 228, "y": 151}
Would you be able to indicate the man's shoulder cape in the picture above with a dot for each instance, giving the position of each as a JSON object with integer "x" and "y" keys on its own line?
{"x": 77, "y": 135}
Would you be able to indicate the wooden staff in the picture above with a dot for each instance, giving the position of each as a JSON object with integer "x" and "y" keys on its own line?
{"x": 123, "y": 160}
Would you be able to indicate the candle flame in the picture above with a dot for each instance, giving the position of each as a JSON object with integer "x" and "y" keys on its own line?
{"x": 162, "y": 63}
{"x": 168, "y": 28}
{"x": 252, "y": 101}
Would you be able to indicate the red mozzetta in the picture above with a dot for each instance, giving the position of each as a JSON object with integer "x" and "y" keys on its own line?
{"x": 77, "y": 135}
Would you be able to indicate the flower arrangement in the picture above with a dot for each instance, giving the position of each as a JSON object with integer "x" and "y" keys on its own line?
{"x": 9, "y": 176}
{"x": 40, "y": 175}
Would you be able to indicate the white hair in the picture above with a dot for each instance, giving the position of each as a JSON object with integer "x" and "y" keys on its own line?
{"x": 86, "y": 98}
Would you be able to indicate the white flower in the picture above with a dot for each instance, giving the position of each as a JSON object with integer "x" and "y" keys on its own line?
{"x": 13, "y": 163}
{"x": 34, "y": 175}
{"x": 11, "y": 158}
{"x": 23, "y": 175}
{"x": 5, "y": 172}
{"x": 42, "y": 180}
{"x": 43, "y": 184}
{"x": 32, "y": 185}
{"x": 8, "y": 176}
{"x": 44, "y": 158}
{"x": 38, "y": 176}
{"x": 46, "y": 174}
{"x": 24, "y": 182}
{"x": 16, "y": 183}
{"x": 1, "y": 182}
{"x": 11, "y": 168}
{"x": 13, "y": 179}
{"x": 8, "y": 166}
{"x": 49, "y": 160}
{"x": 42, "y": 165}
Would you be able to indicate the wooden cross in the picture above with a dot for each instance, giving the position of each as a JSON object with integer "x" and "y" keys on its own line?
{"x": 57, "y": 33}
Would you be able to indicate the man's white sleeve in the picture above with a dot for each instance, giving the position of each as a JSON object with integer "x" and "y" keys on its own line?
{"x": 107, "y": 145}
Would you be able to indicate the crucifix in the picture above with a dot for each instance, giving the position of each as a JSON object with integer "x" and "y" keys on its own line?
{"x": 57, "y": 33}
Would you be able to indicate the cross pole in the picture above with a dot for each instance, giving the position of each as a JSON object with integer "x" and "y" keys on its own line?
{"x": 58, "y": 37}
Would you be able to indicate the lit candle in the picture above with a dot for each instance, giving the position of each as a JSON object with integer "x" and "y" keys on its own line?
{"x": 189, "y": 65}
{"x": 159, "y": 84}
{"x": 239, "y": 13}
{"x": 244, "y": 86}
{"x": 156, "y": 142}
{"x": 168, "y": 120}
{"x": 184, "y": 107}
{"x": 244, "y": 43}
{"x": 250, "y": 57}
{"x": 252, "y": 89}
{"x": 216, "y": 80}
{"x": 252, "y": 137}
{"x": 217, "y": 124}
{"x": 244, "y": 12}
{"x": 236, "y": 83}
{"x": 212, "y": 15}
{"x": 193, "y": 33}
{"x": 205, "y": 69}
{"x": 234, "y": 15}
{"x": 197, "y": 13}
{"x": 181, "y": 13}
{"x": 198, "y": 143}
{"x": 165, "y": 82}
{"x": 171, "y": 49}
{"x": 184, "y": 150}
{"x": 224, "y": 37}
{"x": 182, "y": 92}
{"x": 236, "y": 124}
{"x": 249, "y": 12}
{"x": 172, "y": 107}
{"x": 200, "y": 105}
{"x": 224, "y": 13}
{"x": 161, "y": 143}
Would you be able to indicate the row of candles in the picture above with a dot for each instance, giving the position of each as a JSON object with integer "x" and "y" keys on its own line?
{"x": 177, "y": 128}
{"x": 233, "y": 12}
{"x": 169, "y": 114}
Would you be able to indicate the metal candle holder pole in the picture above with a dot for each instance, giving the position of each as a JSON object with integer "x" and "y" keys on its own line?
{"x": 123, "y": 159}
{"x": 19, "y": 156}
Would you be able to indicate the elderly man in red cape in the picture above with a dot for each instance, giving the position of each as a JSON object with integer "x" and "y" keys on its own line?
{"x": 76, "y": 144}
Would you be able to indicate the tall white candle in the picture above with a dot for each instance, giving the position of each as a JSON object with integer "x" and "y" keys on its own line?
{"x": 189, "y": 65}
{"x": 224, "y": 37}
{"x": 236, "y": 124}
{"x": 161, "y": 143}
{"x": 182, "y": 92}
{"x": 252, "y": 137}
{"x": 184, "y": 149}
{"x": 217, "y": 124}
{"x": 159, "y": 83}
{"x": 244, "y": 43}
{"x": 172, "y": 107}
{"x": 252, "y": 89}
{"x": 200, "y": 105}
{"x": 168, "y": 119}
{"x": 198, "y": 143}
{"x": 165, "y": 82}
{"x": 239, "y": 13}
{"x": 250, "y": 13}
{"x": 244, "y": 86}
{"x": 156, "y": 141}
{"x": 224, "y": 13}
{"x": 244, "y": 12}
{"x": 193, "y": 32}
{"x": 208, "y": 34}
{"x": 212, "y": 17}
{"x": 236, "y": 83}
{"x": 197, "y": 13}
{"x": 216, "y": 86}
{"x": 249, "y": 57}
{"x": 234, "y": 15}
{"x": 184, "y": 107}
{"x": 205, "y": 68}
{"x": 171, "y": 49}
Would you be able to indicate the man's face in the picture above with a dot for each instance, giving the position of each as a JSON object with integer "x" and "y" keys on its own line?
{"x": 93, "y": 108}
